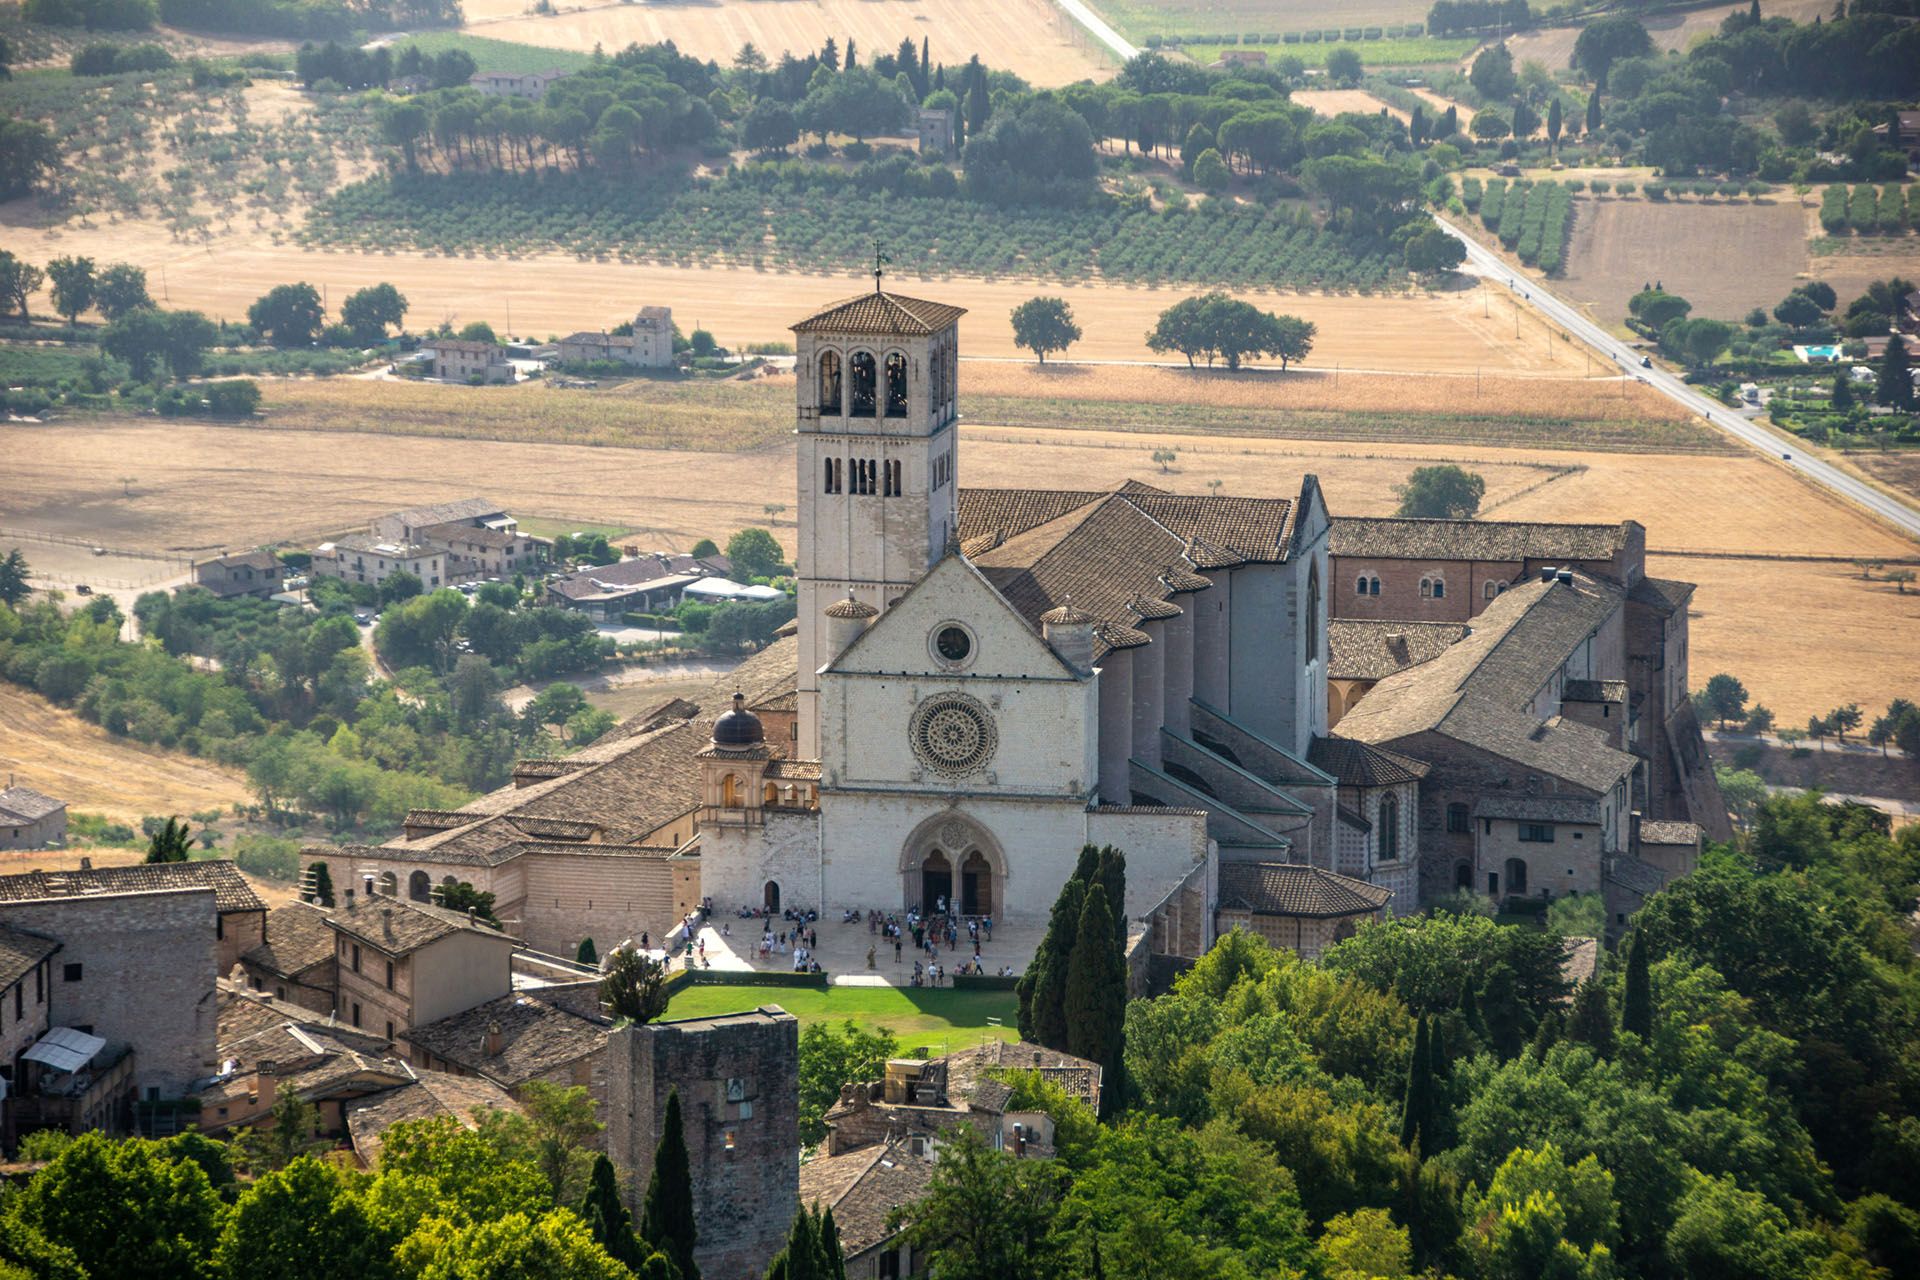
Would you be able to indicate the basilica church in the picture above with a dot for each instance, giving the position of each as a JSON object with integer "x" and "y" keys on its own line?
{"x": 1290, "y": 722}
{"x": 989, "y": 679}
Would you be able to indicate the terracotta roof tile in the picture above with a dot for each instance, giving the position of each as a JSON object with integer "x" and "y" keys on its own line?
{"x": 1395, "y": 538}
{"x": 538, "y": 1033}
{"x": 398, "y": 927}
{"x": 882, "y": 315}
{"x": 231, "y": 892}
{"x": 1294, "y": 889}
{"x": 297, "y": 940}
{"x": 1361, "y": 764}
{"x": 863, "y": 1187}
{"x": 429, "y": 1095}
{"x": 1368, "y": 650}
{"x": 19, "y": 952}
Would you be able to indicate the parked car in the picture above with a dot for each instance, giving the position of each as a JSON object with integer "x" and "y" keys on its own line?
{"x": 81, "y": 588}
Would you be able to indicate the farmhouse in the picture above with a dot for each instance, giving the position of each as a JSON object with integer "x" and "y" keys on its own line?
{"x": 936, "y": 131}
{"x": 476, "y": 535}
{"x": 468, "y": 360}
{"x": 531, "y": 85}
{"x": 648, "y": 345}
{"x": 29, "y": 820}
{"x": 367, "y": 558}
{"x": 251, "y": 573}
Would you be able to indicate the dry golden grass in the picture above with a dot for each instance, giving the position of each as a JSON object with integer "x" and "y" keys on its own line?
{"x": 1030, "y": 38}
{"x": 58, "y": 754}
{"x": 1725, "y": 258}
{"x": 1331, "y": 102}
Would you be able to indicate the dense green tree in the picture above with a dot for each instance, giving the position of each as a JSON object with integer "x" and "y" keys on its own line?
{"x": 172, "y": 842}
{"x": 1492, "y": 74}
{"x": 1044, "y": 324}
{"x": 119, "y": 289}
{"x": 1343, "y": 65}
{"x": 666, "y": 1218}
{"x": 555, "y": 1245}
{"x": 122, "y": 1208}
{"x": 1591, "y": 1023}
{"x": 1893, "y": 382}
{"x": 755, "y": 554}
{"x": 29, "y": 156}
{"x": 770, "y": 128}
{"x": 1605, "y": 41}
{"x": 1041, "y": 153}
{"x": 292, "y": 1133}
{"x": 73, "y": 283}
{"x": 554, "y": 1131}
{"x": 1443, "y": 492}
{"x": 1722, "y": 698}
{"x": 1657, "y": 308}
{"x": 832, "y": 1057}
{"x": 368, "y": 313}
{"x": 1041, "y": 990}
{"x": 1416, "y": 1109}
{"x": 987, "y": 1215}
{"x": 1542, "y": 1217}
{"x": 14, "y": 586}
{"x": 322, "y": 884}
{"x": 288, "y": 315}
{"x": 308, "y": 1219}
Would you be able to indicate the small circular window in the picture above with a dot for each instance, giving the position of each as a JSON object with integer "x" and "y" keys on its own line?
{"x": 953, "y": 644}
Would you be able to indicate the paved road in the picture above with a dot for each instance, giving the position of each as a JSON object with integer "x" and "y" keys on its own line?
{"x": 1099, "y": 30}
{"x": 1484, "y": 262}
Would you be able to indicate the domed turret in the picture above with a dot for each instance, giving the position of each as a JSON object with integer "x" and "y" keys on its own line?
{"x": 846, "y": 619}
{"x": 739, "y": 728}
{"x": 1070, "y": 632}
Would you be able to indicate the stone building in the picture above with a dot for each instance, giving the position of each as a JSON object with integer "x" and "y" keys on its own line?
{"x": 405, "y": 964}
{"x": 468, "y": 360}
{"x": 248, "y": 573}
{"x": 370, "y": 559}
{"x": 26, "y": 975}
{"x": 554, "y": 1034}
{"x": 921, "y": 1098}
{"x": 863, "y": 1188}
{"x": 1408, "y": 570}
{"x": 648, "y": 346}
{"x": 239, "y": 919}
{"x": 29, "y": 820}
{"x": 295, "y": 960}
{"x": 936, "y": 129}
{"x": 738, "y": 1082}
{"x": 1302, "y": 908}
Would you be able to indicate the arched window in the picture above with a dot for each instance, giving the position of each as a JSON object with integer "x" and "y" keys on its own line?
{"x": 896, "y": 385}
{"x": 860, "y": 400}
{"x": 831, "y": 481}
{"x": 1360, "y": 585}
{"x": 1439, "y": 588}
{"x": 419, "y": 886}
{"x": 1516, "y": 875}
{"x": 1389, "y": 823}
{"x": 1313, "y": 612}
{"x": 389, "y": 884}
{"x": 1373, "y": 586}
{"x": 892, "y": 478}
{"x": 770, "y": 793}
{"x": 1426, "y": 588}
{"x": 830, "y": 382}
{"x": 730, "y": 791}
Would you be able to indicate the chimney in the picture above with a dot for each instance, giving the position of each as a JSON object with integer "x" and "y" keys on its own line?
{"x": 1565, "y": 577}
{"x": 265, "y": 1086}
{"x": 86, "y": 863}
{"x": 366, "y": 882}
{"x": 1069, "y": 631}
{"x": 386, "y": 920}
{"x": 1547, "y": 574}
{"x": 496, "y": 1040}
{"x": 349, "y": 899}
{"x": 473, "y": 916}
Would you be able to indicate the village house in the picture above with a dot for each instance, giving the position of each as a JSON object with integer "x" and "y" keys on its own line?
{"x": 405, "y": 964}
{"x": 553, "y": 1034}
{"x": 647, "y": 345}
{"x": 295, "y": 960}
{"x": 366, "y": 558}
{"x": 531, "y": 85}
{"x": 935, "y": 126}
{"x": 468, "y": 360}
{"x": 26, "y": 975}
{"x": 863, "y": 1188}
{"x": 249, "y": 573}
{"x": 29, "y": 820}
{"x": 477, "y": 537}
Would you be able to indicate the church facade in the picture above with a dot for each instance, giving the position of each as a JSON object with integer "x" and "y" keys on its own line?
{"x": 989, "y": 679}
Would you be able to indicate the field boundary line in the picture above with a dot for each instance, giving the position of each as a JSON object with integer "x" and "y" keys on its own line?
{"x": 1790, "y": 557}
{"x": 38, "y": 535}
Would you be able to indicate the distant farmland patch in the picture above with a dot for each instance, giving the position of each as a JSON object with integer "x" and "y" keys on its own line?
{"x": 488, "y": 54}
{"x": 1140, "y": 18}
{"x": 1726, "y": 259}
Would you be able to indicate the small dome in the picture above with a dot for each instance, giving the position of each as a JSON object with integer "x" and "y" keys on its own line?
{"x": 738, "y": 727}
{"x": 1066, "y": 615}
{"x": 851, "y": 608}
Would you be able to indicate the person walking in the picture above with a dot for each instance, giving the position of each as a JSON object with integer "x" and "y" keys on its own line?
{"x": 869, "y": 959}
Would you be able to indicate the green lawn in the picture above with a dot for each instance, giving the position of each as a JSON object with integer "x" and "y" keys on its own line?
{"x": 938, "y": 1020}
{"x": 497, "y": 55}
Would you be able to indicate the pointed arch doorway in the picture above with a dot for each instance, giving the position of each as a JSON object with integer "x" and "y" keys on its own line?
{"x": 954, "y": 858}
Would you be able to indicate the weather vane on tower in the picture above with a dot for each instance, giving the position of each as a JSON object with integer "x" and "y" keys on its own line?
{"x": 880, "y": 260}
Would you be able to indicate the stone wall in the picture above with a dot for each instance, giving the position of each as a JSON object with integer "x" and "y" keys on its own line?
{"x": 596, "y": 893}
{"x": 738, "y": 1081}
{"x": 143, "y": 967}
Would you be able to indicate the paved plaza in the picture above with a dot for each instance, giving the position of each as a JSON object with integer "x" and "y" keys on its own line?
{"x": 733, "y": 943}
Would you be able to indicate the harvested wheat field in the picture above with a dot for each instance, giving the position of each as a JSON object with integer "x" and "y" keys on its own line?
{"x": 1671, "y": 32}
{"x": 1030, "y": 38}
{"x": 556, "y": 295}
{"x": 1724, "y": 258}
{"x": 59, "y": 754}
{"x": 1331, "y": 102}
{"x": 1868, "y": 258}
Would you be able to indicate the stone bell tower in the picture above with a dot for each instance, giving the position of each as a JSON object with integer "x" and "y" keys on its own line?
{"x": 878, "y": 417}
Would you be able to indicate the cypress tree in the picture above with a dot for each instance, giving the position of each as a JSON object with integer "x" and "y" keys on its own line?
{"x": 1416, "y": 1114}
{"x": 588, "y": 954}
{"x": 1088, "y": 866}
{"x": 1113, "y": 877}
{"x": 1593, "y": 112}
{"x": 1042, "y": 989}
{"x": 1096, "y": 993}
{"x": 1842, "y": 398}
{"x": 1753, "y": 13}
{"x": 833, "y": 1264}
{"x": 666, "y": 1219}
{"x": 852, "y": 55}
{"x": 979, "y": 104}
{"x": 1548, "y": 1033}
{"x": 1436, "y": 1051}
{"x": 921, "y": 81}
{"x": 608, "y": 1219}
{"x": 1592, "y": 1020}
{"x": 1500, "y": 1010}
{"x": 1893, "y": 388}
{"x": 800, "y": 1260}
{"x": 1636, "y": 1009}
{"x": 322, "y": 884}
{"x": 1470, "y": 1013}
